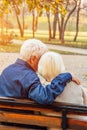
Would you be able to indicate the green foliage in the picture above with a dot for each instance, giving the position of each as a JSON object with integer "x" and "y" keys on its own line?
{"x": 3, "y": 7}
{"x": 62, "y": 11}
{"x": 18, "y": 2}
{"x": 31, "y": 4}
{"x": 38, "y": 5}
{"x": 47, "y": 5}
{"x": 5, "y": 3}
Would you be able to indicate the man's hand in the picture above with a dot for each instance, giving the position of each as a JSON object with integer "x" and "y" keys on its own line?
{"x": 76, "y": 80}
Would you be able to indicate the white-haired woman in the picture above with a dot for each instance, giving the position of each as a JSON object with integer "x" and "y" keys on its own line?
{"x": 49, "y": 66}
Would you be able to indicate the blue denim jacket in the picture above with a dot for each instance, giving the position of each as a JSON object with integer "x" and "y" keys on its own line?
{"x": 20, "y": 81}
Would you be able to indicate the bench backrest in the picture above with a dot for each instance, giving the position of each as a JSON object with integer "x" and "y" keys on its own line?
{"x": 21, "y": 113}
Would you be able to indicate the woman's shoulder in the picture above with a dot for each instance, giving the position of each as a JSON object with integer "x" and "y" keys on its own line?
{"x": 74, "y": 89}
{"x": 72, "y": 93}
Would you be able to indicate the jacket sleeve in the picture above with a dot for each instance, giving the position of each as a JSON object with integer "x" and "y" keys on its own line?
{"x": 46, "y": 95}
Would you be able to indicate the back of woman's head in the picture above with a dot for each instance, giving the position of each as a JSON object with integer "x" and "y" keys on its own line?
{"x": 50, "y": 65}
{"x": 32, "y": 47}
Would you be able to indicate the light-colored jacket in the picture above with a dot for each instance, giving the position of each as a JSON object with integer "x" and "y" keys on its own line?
{"x": 72, "y": 93}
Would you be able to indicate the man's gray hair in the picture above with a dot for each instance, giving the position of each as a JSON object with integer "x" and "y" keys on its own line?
{"x": 32, "y": 47}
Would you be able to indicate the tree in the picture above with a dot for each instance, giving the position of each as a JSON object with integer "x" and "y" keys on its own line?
{"x": 34, "y": 21}
{"x": 77, "y": 18}
{"x": 3, "y": 9}
{"x": 53, "y": 7}
{"x": 47, "y": 9}
{"x": 15, "y": 5}
{"x": 70, "y": 6}
{"x": 55, "y": 21}
{"x": 33, "y": 7}
{"x": 40, "y": 5}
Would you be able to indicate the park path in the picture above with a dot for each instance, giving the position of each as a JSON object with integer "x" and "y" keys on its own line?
{"x": 76, "y": 64}
{"x": 58, "y": 47}
{"x": 69, "y": 49}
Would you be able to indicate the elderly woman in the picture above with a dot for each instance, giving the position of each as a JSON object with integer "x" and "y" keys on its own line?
{"x": 52, "y": 64}
{"x": 49, "y": 66}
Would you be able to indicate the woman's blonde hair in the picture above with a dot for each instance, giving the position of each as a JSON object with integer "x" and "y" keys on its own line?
{"x": 50, "y": 65}
{"x": 32, "y": 47}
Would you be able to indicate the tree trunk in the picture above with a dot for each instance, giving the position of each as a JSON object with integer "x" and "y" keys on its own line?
{"x": 20, "y": 28}
{"x": 77, "y": 22}
{"x": 59, "y": 28}
{"x": 7, "y": 24}
{"x": 33, "y": 23}
{"x": 62, "y": 30}
{"x": 55, "y": 25}
{"x": 18, "y": 21}
{"x": 49, "y": 26}
{"x": 1, "y": 26}
{"x": 62, "y": 22}
{"x": 23, "y": 19}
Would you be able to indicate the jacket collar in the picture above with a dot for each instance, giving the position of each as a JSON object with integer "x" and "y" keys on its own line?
{"x": 24, "y": 63}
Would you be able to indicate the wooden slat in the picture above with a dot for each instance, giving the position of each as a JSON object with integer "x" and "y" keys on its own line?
{"x": 42, "y": 110}
{"x": 3, "y": 127}
{"x": 48, "y": 121}
{"x": 55, "y": 106}
{"x": 30, "y": 119}
{"x": 77, "y": 124}
{"x": 38, "y": 109}
{"x": 6, "y": 126}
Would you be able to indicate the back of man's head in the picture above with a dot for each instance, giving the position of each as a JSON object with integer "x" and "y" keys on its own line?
{"x": 32, "y": 47}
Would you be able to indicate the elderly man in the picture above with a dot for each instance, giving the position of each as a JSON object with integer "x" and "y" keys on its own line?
{"x": 20, "y": 80}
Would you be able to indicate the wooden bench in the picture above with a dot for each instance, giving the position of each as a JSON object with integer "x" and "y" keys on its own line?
{"x": 22, "y": 114}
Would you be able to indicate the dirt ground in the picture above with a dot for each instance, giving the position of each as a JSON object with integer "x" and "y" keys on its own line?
{"x": 77, "y": 64}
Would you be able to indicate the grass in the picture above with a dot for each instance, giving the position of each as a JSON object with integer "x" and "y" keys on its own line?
{"x": 42, "y": 33}
{"x": 9, "y": 48}
{"x": 43, "y": 36}
{"x": 15, "y": 49}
